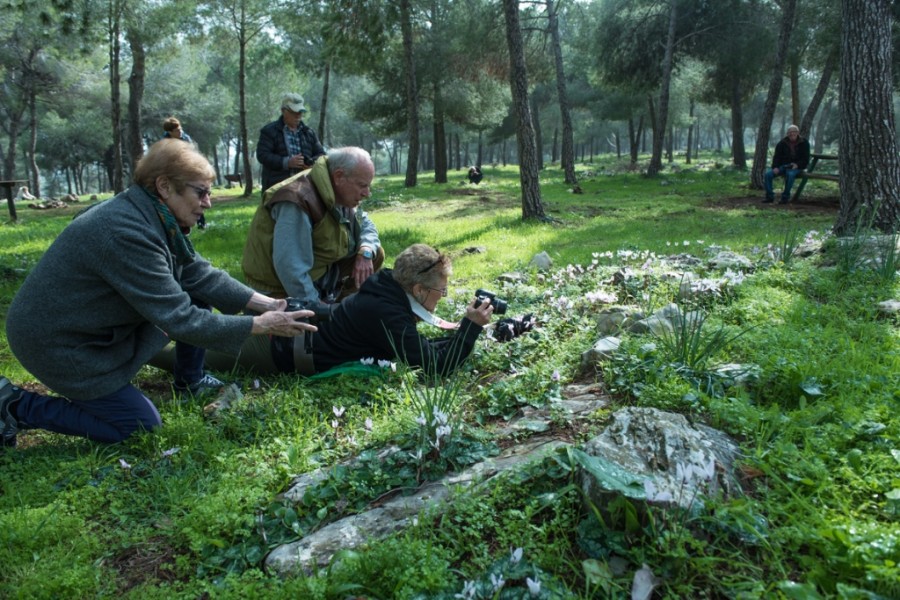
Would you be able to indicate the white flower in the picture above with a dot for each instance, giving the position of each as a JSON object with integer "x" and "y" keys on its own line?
{"x": 170, "y": 452}
{"x": 497, "y": 581}
{"x": 442, "y": 431}
{"x": 421, "y": 420}
{"x": 367, "y": 361}
{"x": 368, "y": 423}
{"x": 335, "y": 423}
{"x": 384, "y": 364}
{"x": 534, "y": 586}
{"x": 516, "y": 556}
{"x": 468, "y": 591}
{"x": 124, "y": 464}
{"x": 338, "y": 412}
{"x": 440, "y": 418}
{"x": 555, "y": 375}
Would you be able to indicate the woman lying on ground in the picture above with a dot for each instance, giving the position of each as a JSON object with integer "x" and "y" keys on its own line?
{"x": 378, "y": 322}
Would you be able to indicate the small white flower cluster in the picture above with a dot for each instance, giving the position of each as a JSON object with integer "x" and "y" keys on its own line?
{"x": 384, "y": 364}
{"x": 470, "y": 591}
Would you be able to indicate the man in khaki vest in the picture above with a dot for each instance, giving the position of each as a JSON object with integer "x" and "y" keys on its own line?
{"x": 308, "y": 238}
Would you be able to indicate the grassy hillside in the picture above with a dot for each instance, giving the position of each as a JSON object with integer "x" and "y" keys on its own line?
{"x": 190, "y": 510}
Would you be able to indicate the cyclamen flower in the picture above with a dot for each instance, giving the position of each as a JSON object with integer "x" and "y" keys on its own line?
{"x": 170, "y": 452}
{"x": 338, "y": 412}
{"x": 124, "y": 464}
{"x": 386, "y": 364}
{"x": 367, "y": 361}
{"x": 368, "y": 424}
{"x": 516, "y": 556}
{"x": 534, "y": 586}
{"x": 555, "y": 375}
{"x": 335, "y": 423}
{"x": 421, "y": 420}
{"x": 440, "y": 418}
{"x": 468, "y": 591}
{"x": 443, "y": 431}
{"x": 497, "y": 581}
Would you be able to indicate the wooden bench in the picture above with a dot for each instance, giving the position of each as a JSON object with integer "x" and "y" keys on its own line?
{"x": 236, "y": 178}
{"x": 810, "y": 173}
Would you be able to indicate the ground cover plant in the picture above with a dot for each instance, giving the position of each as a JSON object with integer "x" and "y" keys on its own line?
{"x": 191, "y": 509}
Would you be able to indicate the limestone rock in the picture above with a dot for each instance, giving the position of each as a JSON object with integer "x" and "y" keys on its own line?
{"x": 674, "y": 461}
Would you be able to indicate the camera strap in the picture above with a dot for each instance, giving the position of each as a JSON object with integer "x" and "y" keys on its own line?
{"x": 430, "y": 318}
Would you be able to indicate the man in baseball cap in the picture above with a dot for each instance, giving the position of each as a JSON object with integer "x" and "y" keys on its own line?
{"x": 287, "y": 146}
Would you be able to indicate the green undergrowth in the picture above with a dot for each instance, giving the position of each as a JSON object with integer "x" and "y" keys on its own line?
{"x": 790, "y": 357}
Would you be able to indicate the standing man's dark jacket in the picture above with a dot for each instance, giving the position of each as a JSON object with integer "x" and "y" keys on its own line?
{"x": 272, "y": 151}
{"x": 378, "y": 322}
{"x": 787, "y": 153}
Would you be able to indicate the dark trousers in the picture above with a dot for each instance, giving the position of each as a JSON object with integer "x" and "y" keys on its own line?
{"x": 110, "y": 418}
{"x": 188, "y": 367}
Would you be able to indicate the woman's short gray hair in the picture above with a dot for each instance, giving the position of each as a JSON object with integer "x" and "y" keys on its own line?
{"x": 421, "y": 264}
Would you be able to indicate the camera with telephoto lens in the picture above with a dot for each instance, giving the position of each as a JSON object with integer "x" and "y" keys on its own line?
{"x": 322, "y": 311}
{"x": 498, "y": 303}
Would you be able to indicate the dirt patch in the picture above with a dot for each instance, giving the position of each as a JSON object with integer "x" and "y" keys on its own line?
{"x": 824, "y": 205}
{"x": 150, "y": 561}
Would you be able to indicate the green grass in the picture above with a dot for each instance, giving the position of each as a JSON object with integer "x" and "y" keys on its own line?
{"x": 818, "y": 424}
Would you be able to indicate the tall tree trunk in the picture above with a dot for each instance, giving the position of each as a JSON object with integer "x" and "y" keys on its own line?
{"x": 115, "y": 19}
{"x": 32, "y": 143}
{"x": 532, "y": 207}
{"x": 788, "y": 10}
{"x": 323, "y": 111}
{"x": 243, "y": 136}
{"x": 823, "y": 120}
{"x": 568, "y": 134}
{"x": 795, "y": 91}
{"x": 412, "y": 93}
{"x": 440, "y": 137}
{"x": 133, "y": 138}
{"x": 811, "y": 110}
{"x": 659, "y": 131}
{"x": 539, "y": 133}
{"x": 869, "y": 163}
{"x": 738, "y": 152}
{"x": 690, "y": 140}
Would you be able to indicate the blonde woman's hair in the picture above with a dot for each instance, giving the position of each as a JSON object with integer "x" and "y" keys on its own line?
{"x": 421, "y": 264}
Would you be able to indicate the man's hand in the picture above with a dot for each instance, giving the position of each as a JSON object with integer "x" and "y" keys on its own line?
{"x": 297, "y": 162}
{"x": 284, "y": 324}
{"x": 260, "y": 303}
{"x": 362, "y": 270}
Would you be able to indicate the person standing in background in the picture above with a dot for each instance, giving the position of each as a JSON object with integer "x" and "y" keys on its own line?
{"x": 287, "y": 146}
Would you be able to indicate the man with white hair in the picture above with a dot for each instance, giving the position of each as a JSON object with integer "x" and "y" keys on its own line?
{"x": 287, "y": 146}
{"x": 791, "y": 157}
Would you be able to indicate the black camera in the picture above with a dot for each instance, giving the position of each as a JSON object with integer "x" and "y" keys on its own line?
{"x": 322, "y": 311}
{"x": 499, "y": 304}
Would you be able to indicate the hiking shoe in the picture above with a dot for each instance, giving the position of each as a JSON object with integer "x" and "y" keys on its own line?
{"x": 9, "y": 425}
{"x": 207, "y": 385}
{"x": 769, "y": 200}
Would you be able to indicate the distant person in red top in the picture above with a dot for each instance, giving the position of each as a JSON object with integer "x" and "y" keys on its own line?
{"x": 791, "y": 157}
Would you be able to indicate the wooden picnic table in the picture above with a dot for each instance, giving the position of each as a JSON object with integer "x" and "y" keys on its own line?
{"x": 811, "y": 173}
{"x": 10, "y": 201}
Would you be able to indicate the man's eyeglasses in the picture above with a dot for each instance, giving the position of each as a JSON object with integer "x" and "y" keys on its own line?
{"x": 443, "y": 291}
{"x": 202, "y": 192}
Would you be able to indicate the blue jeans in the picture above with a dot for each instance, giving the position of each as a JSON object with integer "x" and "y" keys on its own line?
{"x": 789, "y": 176}
{"x": 110, "y": 418}
{"x": 188, "y": 367}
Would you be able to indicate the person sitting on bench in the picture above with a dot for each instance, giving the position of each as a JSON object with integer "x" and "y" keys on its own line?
{"x": 791, "y": 157}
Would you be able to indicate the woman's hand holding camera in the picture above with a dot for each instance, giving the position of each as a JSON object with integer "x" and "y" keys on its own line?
{"x": 480, "y": 311}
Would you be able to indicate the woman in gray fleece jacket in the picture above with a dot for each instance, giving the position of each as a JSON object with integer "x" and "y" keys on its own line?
{"x": 112, "y": 290}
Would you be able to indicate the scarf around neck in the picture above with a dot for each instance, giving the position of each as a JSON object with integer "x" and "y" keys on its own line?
{"x": 176, "y": 237}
